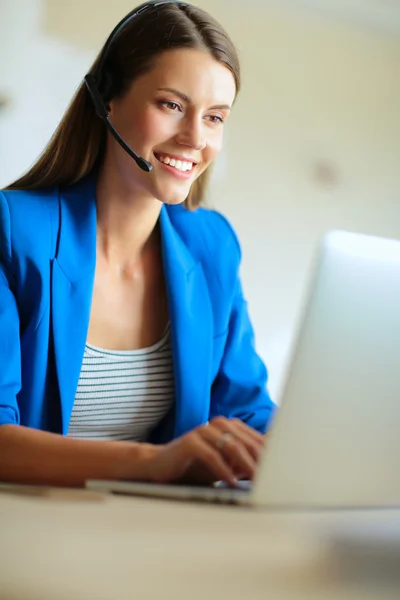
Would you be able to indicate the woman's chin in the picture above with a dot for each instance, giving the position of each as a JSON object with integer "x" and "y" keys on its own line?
{"x": 173, "y": 197}
{"x": 173, "y": 201}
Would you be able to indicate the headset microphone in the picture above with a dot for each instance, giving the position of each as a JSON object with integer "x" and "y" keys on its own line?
{"x": 93, "y": 81}
{"x": 102, "y": 112}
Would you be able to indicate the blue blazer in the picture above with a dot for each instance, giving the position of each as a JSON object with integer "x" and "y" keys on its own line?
{"x": 47, "y": 266}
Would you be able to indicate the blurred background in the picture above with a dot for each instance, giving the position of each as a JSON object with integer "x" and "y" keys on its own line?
{"x": 313, "y": 142}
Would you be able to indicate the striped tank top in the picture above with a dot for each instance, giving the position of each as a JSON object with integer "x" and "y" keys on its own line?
{"x": 123, "y": 395}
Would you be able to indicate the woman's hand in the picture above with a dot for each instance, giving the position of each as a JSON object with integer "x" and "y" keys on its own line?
{"x": 224, "y": 449}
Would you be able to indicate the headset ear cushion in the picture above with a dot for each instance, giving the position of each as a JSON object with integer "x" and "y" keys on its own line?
{"x": 106, "y": 85}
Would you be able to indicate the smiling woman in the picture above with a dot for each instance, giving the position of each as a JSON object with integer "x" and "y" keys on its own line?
{"x": 79, "y": 143}
{"x": 126, "y": 349}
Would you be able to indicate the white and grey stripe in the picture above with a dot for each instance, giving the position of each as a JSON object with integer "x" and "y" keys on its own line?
{"x": 123, "y": 395}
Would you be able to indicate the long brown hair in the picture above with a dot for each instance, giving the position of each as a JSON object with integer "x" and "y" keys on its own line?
{"x": 78, "y": 144}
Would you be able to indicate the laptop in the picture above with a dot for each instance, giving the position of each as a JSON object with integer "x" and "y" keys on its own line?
{"x": 335, "y": 441}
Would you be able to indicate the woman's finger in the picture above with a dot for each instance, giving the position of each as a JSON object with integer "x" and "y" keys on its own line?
{"x": 232, "y": 448}
{"x": 242, "y": 433}
{"x": 258, "y": 437}
{"x": 201, "y": 450}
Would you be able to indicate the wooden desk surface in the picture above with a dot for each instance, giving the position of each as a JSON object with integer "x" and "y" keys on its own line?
{"x": 73, "y": 545}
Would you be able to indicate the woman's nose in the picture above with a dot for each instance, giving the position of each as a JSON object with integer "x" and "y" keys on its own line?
{"x": 192, "y": 134}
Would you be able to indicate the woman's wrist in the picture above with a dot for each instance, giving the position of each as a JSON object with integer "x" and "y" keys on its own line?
{"x": 136, "y": 460}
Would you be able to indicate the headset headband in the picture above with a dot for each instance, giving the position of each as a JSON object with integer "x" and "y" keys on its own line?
{"x": 93, "y": 80}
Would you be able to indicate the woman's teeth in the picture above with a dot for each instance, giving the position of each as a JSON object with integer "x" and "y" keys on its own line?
{"x": 181, "y": 165}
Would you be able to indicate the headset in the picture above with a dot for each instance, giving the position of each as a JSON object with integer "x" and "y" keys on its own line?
{"x": 94, "y": 80}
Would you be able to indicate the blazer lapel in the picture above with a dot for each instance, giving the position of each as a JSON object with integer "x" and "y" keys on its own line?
{"x": 191, "y": 328}
{"x": 73, "y": 271}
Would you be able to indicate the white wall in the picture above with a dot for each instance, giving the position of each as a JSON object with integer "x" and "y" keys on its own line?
{"x": 313, "y": 142}
{"x": 317, "y": 95}
{"x": 39, "y": 73}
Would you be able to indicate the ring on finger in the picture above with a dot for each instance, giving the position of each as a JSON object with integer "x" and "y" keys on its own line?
{"x": 225, "y": 437}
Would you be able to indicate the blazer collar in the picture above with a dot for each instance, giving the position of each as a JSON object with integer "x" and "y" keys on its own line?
{"x": 76, "y": 246}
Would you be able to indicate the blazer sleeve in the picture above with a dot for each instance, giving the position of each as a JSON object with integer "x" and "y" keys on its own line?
{"x": 240, "y": 388}
{"x": 10, "y": 353}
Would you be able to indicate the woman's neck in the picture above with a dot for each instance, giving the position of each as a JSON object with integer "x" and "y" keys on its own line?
{"x": 126, "y": 220}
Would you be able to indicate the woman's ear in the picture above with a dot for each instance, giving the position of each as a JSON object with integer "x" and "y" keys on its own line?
{"x": 110, "y": 107}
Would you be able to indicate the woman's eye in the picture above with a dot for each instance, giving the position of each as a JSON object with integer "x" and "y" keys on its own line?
{"x": 215, "y": 119}
{"x": 170, "y": 105}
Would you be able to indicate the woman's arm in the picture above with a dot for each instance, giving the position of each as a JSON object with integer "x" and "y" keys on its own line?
{"x": 224, "y": 449}
{"x": 38, "y": 457}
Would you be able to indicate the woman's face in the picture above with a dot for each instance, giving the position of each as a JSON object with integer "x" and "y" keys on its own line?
{"x": 173, "y": 116}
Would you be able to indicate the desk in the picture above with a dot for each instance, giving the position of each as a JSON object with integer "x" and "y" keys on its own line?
{"x": 78, "y": 545}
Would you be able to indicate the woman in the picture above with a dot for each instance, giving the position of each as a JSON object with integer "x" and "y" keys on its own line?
{"x": 123, "y": 323}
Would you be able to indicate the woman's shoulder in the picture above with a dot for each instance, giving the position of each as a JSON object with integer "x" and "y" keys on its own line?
{"x": 31, "y": 200}
{"x": 206, "y": 231}
{"x": 27, "y": 216}
{"x": 19, "y": 203}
